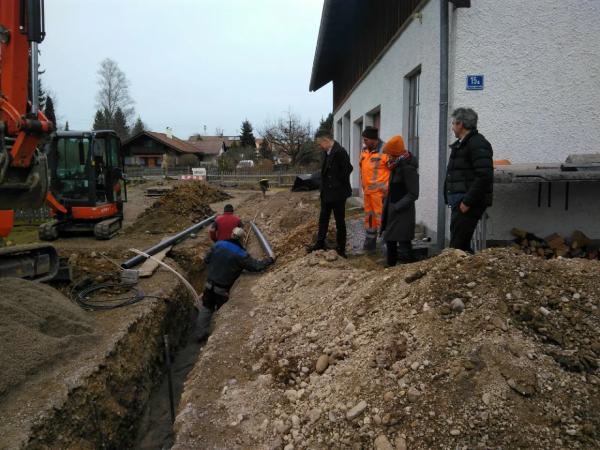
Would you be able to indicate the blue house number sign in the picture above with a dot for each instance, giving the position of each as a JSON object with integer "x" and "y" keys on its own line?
{"x": 474, "y": 82}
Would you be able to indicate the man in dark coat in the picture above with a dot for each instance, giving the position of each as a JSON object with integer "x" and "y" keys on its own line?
{"x": 335, "y": 189}
{"x": 469, "y": 179}
{"x": 398, "y": 219}
{"x": 226, "y": 260}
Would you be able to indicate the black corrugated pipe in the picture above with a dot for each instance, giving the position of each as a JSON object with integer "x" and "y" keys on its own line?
{"x": 262, "y": 240}
{"x": 443, "y": 130}
{"x": 138, "y": 259}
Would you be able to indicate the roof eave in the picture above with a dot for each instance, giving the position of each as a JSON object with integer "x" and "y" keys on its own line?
{"x": 315, "y": 82}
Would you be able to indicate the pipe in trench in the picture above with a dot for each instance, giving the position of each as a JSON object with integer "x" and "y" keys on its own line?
{"x": 139, "y": 259}
{"x": 262, "y": 240}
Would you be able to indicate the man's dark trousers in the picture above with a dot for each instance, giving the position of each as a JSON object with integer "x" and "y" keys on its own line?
{"x": 339, "y": 213}
{"x": 462, "y": 227}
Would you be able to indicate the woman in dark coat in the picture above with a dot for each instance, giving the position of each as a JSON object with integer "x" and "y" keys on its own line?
{"x": 398, "y": 221}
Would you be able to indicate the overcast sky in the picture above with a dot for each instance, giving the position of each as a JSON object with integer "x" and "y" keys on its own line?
{"x": 191, "y": 63}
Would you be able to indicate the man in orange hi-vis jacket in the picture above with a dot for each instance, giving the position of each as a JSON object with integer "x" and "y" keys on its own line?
{"x": 374, "y": 177}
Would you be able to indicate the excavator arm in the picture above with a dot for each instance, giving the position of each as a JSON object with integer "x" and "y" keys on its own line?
{"x": 23, "y": 169}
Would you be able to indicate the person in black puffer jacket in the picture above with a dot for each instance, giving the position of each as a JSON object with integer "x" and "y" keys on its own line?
{"x": 469, "y": 180}
{"x": 226, "y": 260}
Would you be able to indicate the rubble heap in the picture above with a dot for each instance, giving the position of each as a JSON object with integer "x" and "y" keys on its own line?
{"x": 555, "y": 245}
{"x": 496, "y": 350}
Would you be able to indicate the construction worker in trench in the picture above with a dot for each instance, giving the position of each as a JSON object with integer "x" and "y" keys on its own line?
{"x": 224, "y": 224}
{"x": 226, "y": 260}
{"x": 374, "y": 178}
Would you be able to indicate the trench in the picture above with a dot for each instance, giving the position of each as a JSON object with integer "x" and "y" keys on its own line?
{"x": 125, "y": 404}
{"x": 156, "y": 428}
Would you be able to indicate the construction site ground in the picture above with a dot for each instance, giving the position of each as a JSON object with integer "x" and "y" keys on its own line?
{"x": 495, "y": 350}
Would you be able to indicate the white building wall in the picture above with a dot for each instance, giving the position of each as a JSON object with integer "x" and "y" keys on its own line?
{"x": 540, "y": 102}
{"x": 541, "y": 63}
{"x": 384, "y": 88}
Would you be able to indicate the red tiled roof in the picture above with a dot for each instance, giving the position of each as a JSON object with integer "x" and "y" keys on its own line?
{"x": 179, "y": 145}
{"x": 174, "y": 142}
{"x": 211, "y": 145}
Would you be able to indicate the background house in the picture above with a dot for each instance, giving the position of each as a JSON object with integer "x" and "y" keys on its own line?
{"x": 211, "y": 147}
{"x": 530, "y": 69}
{"x": 148, "y": 149}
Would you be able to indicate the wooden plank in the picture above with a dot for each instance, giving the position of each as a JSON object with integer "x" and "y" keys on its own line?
{"x": 149, "y": 266}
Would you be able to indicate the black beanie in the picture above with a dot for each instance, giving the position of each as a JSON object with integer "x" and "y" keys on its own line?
{"x": 228, "y": 208}
{"x": 370, "y": 133}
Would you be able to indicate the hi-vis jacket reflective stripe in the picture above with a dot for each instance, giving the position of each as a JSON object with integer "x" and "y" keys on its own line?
{"x": 374, "y": 172}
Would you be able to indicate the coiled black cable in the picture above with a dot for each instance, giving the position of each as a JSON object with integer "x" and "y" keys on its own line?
{"x": 82, "y": 290}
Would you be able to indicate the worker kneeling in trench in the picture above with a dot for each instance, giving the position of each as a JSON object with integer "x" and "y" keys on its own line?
{"x": 226, "y": 260}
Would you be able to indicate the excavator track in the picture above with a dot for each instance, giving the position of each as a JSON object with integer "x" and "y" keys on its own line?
{"x": 36, "y": 262}
{"x": 107, "y": 228}
{"x": 48, "y": 231}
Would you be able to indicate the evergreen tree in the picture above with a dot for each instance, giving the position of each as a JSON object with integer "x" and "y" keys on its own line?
{"x": 67, "y": 125}
{"x": 138, "y": 127}
{"x": 119, "y": 124}
{"x": 49, "y": 110}
{"x": 42, "y": 96}
{"x": 265, "y": 150}
{"x": 326, "y": 124}
{"x": 101, "y": 122}
{"x": 247, "y": 137}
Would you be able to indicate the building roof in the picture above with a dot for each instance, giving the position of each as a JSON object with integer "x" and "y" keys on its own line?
{"x": 335, "y": 19}
{"x": 212, "y": 145}
{"x": 174, "y": 143}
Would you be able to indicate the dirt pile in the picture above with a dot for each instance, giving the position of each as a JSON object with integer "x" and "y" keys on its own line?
{"x": 39, "y": 328}
{"x": 185, "y": 205}
{"x": 495, "y": 350}
{"x": 289, "y": 220}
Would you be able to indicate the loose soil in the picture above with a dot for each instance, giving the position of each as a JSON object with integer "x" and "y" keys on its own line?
{"x": 496, "y": 350}
{"x": 81, "y": 379}
{"x": 185, "y": 205}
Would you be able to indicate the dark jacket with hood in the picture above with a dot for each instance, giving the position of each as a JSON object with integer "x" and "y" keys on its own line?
{"x": 398, "y": 218}
{"x": 227, "y": 259}
{"x": 470, "y": 171}
{"x": 335, "y": 175}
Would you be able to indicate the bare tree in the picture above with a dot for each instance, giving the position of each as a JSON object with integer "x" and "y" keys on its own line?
{"x": 113, "y": 90}
{"x": 291, "y": 137}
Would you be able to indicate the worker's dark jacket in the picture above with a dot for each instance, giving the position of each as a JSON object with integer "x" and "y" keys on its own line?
{"x": 398, "y": 218}
{"x": 470, "y": 171}
{"x": 227, "y": 259}
{"x": 335, "y": 175}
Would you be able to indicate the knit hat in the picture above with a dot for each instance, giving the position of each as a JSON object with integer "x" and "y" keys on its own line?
{"x": 370, "y": 133}
{"x": 228, "y": 208}
{"x": 395, "y": 146}
{"x": 238, "y": 233}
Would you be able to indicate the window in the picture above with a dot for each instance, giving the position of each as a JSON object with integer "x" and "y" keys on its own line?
{"x": 373, "y": 118}
{"x": 71, "y": 167}
{"x": 413, "y": 112}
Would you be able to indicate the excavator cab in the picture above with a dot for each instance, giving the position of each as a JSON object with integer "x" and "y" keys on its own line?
{"x": 87, "y": 188}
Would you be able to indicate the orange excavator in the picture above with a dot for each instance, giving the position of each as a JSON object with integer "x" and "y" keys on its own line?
{"x": 86, "y": 189}
{"x": 24, "y": 176}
